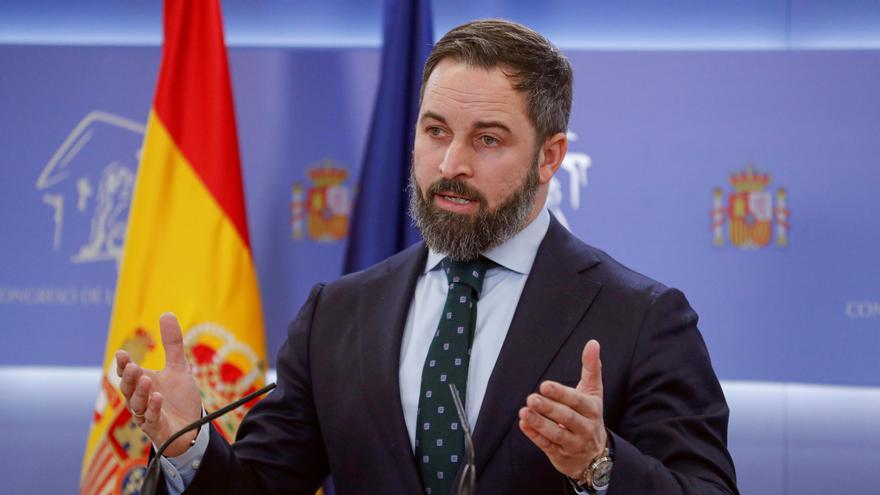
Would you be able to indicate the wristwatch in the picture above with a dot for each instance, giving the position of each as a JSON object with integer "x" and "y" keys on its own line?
{"x": 597, "y": 475}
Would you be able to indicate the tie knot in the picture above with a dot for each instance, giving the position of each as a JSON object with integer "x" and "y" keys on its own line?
{"x": 470, "y": 273}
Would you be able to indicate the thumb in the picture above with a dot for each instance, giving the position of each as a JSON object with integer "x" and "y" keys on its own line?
{"x": 591, "y": 370}
{"x": 172, "y": 340}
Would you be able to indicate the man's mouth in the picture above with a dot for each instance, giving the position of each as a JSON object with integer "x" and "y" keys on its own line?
{"x": 455, "y": 199}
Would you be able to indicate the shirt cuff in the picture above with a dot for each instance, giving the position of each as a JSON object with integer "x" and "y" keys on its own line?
{"x": 581, "y": 491}
{"x": 179, "y": 471}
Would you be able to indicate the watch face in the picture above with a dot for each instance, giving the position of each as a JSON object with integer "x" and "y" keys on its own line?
{"x": 602, "y": 475}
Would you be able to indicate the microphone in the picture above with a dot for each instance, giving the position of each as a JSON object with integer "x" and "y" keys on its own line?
{"x": 151, "y": 479}
{"x": 468, "y": 479}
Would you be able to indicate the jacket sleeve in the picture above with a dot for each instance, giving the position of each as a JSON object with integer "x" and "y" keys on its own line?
{"x": 672, "y": 438}
{"x": 279, "y": 447}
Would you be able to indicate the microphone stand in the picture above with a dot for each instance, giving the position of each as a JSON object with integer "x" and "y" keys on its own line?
{"x": 468, "y": 479}
{"x": 151, "y": 479}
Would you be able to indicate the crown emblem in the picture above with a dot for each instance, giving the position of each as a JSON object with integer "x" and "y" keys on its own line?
{"x": 225, "y": 369}
{"x": 749, "y": 181}
{"x": 327, "y": 174}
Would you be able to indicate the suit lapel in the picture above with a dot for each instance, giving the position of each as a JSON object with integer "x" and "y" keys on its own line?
{"x": 381, "y": 318}
{"x": 553, "y": 301}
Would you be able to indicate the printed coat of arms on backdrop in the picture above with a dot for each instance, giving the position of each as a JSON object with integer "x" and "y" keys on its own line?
{"x": 321, "y": 210}
{"x": 752, "y": 212}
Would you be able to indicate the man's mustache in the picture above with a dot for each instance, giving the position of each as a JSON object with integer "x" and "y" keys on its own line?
{"x": 458, "y": 188}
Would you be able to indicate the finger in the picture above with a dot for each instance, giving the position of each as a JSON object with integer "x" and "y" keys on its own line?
{"x": 585, "y": 405}
{"x": 138, "y": 402}
{"x": 536, "y": 438}
{"x": 122, "y": 359}
{"x": 551, "y": 450}
{"x": 591, "y": 370}
{"x": 172, "y": 341}
{"x": 153, "y": 413}
{"x": 130, "y": 375}
{"x": 560, "y": 413}
{"x": 549, "y": 429}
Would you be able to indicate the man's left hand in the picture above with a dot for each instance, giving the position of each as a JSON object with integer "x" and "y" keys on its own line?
{"x": 566, "y": 423}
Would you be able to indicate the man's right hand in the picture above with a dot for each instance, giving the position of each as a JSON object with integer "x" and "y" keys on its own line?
{"x": 162, "y": 402}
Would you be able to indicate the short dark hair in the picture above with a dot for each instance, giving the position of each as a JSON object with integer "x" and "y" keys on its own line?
{"x": 537, "y": 68}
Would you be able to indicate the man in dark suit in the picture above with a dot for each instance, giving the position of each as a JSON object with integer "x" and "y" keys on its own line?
{"x": 363, "y": 375}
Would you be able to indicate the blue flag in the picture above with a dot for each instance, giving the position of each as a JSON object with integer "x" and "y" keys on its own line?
{"x": 380, "y": 225}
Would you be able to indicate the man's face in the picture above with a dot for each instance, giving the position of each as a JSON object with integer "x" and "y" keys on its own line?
{"x": 475, "y": 161}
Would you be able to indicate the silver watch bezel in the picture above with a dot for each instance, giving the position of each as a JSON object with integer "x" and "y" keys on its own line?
{"x": 588, "y": 477}
{"x": 602, "y": 467}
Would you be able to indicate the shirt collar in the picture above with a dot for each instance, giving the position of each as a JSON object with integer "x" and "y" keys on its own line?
{"x": 517, "y": 253}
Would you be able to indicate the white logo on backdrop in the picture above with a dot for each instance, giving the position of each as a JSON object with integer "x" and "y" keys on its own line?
{"x": 861, "y": 310}
{"x": 575, "y": 165}
{"x": 81, "y": 180}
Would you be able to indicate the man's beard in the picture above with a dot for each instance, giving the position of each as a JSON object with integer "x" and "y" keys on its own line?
{"x": 465, "y": 237}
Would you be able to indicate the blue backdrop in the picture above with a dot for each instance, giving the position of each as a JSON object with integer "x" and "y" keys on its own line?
{"x": 656, "y": 139}
{"x": 654, "y": 135}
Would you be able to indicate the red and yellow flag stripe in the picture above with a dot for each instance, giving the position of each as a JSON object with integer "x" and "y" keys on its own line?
{"x": 187, "y": 247}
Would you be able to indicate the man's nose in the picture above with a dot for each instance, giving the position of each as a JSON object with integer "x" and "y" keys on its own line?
{"x": 457, "y": 161}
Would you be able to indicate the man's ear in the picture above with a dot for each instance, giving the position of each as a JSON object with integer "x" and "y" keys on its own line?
{"x": 550, "y": 156}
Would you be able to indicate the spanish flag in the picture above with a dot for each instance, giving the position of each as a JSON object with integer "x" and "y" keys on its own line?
{"x": 187, "y": 250}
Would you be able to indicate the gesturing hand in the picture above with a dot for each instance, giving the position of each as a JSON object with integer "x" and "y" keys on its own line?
{"x": 566, "y": 423}
{"x": 162, "y": 402}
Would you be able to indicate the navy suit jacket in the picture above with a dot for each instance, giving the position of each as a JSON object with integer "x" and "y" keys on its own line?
{"x": 337, "y": 407}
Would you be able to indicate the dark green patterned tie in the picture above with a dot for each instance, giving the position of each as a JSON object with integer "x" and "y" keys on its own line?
{"x": 439, "y": 438}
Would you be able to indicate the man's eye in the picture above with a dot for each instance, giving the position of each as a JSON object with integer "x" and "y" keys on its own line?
{"x": 435, "y": 131}
{"x": 488, "y": 140}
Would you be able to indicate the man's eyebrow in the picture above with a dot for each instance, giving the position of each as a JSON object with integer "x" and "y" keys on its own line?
{"x": 492, "y": 123}
{"x": 432, "y": 115}
{"x": 479, "y": 125}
